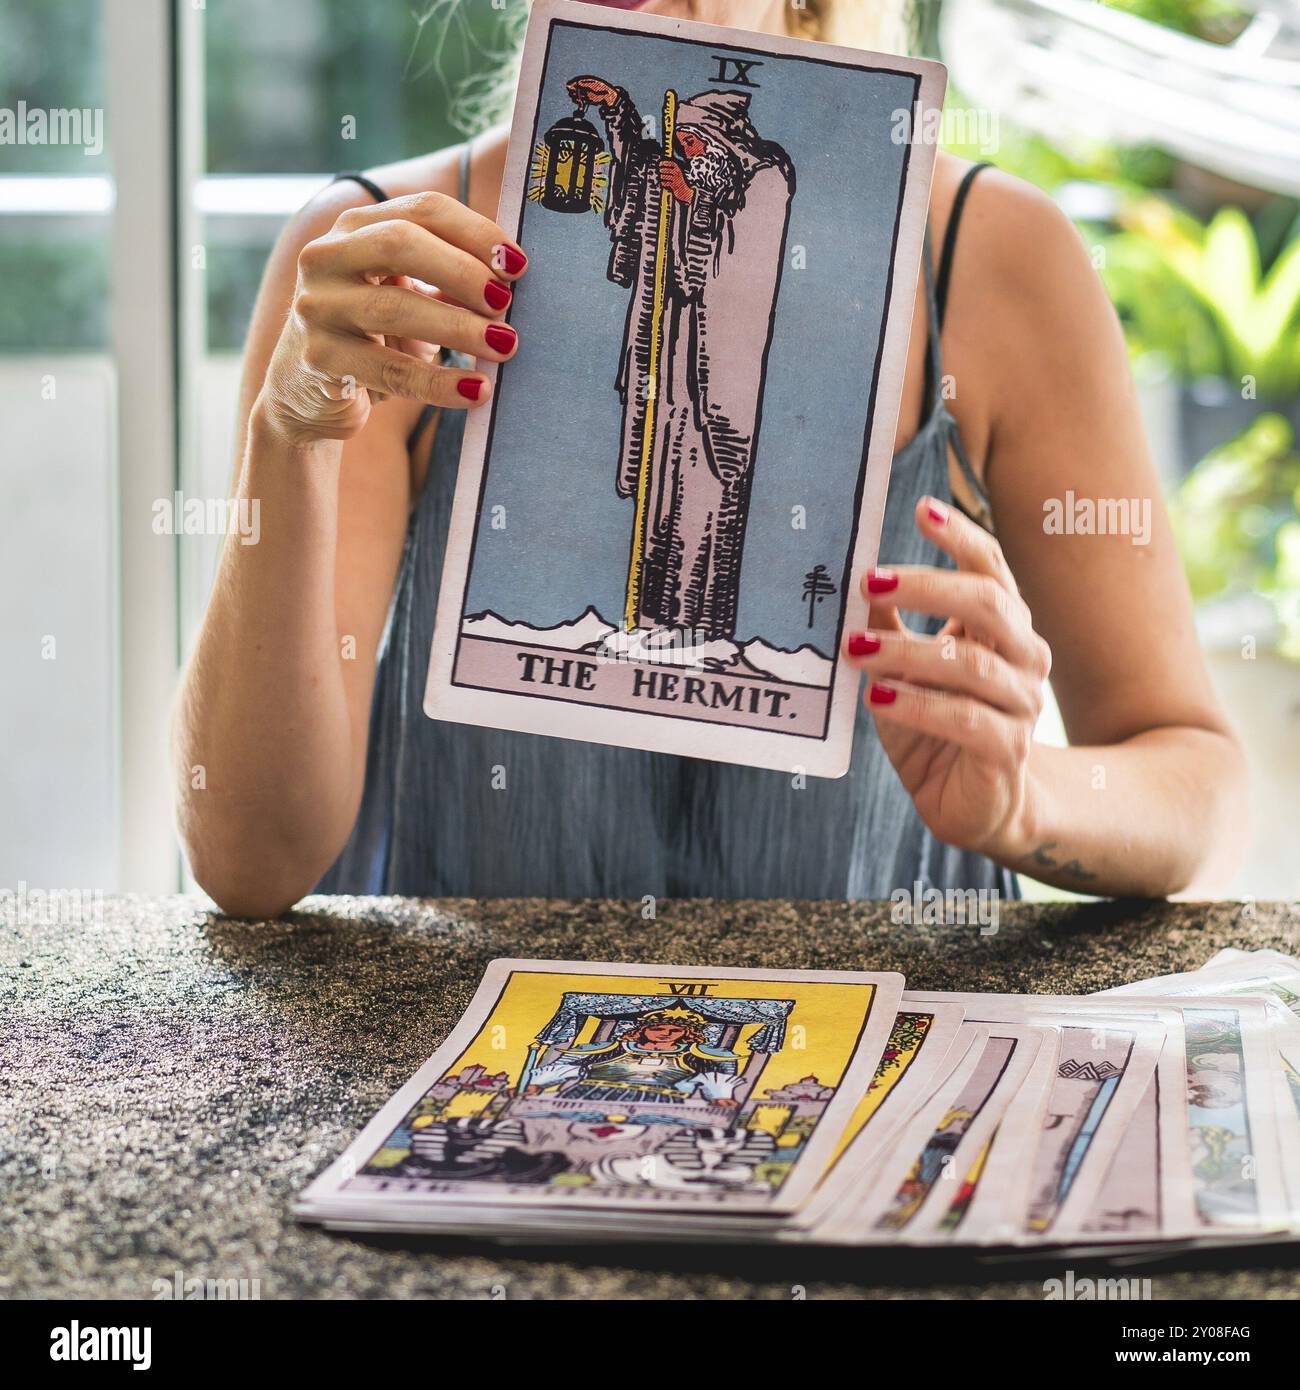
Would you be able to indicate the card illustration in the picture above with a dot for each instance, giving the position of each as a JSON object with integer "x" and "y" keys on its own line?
{"x": 660, "y": 512}
{"x": 1226, "y": 1185}
{"x": 911, "y": 1032}
{"x": 960, "y": 1204}
{"x": 932, "y": 1163}
{"x": 700, "y": 245}
{"x": 618, "y": 1088}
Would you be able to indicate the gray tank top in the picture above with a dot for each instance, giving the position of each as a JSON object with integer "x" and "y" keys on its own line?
{"x": 450, "y": 810}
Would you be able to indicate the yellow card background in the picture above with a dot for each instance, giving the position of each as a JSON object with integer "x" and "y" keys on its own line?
{"x": 821, "y": 1031}
{"x": 885, "y": 1083}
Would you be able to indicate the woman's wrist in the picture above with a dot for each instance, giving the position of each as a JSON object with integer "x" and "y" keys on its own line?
{"x": 1027, "y": 826}
{"x": 269, "y": 434}
{"x": 1051, "y": 835}
{"x": 294, "y": 484}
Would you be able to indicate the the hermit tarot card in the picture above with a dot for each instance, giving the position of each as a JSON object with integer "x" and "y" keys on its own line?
{"x": 661, "y": 515}
{"x": 624, "y": 1086}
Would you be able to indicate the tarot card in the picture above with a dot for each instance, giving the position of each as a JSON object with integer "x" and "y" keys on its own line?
{"x": 1233, "y": 954}
{"x": 606, "y": 1087}
{"x": 1147, "y": 1192}
{"x": 1234, "y": 1114}
{"x": 661, "y": 514}
{"x": 1272, "y": 976}
{"x": 1274, "y": 979}
{"x": 1226, "y": 955}
{"x": 912, "y": 1208}
{"x": 1244, "y": 1125}
{"x": 1086, "y": 1116}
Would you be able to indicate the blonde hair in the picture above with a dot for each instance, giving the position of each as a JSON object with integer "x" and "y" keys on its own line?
{"x": 476, "y": 102}
{"x": 886, "y": 26}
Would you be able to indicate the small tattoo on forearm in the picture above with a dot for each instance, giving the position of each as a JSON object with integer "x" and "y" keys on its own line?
{"x": 1072, "y": 867}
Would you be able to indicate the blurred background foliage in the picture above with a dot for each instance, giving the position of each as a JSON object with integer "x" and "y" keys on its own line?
{"x": 54, "y": 268}
{"x": 283, "y": 80}
{"x": 1237, "y": 519}
{"x": 51, "y": 56}
{"x": 1216, "y": 21}
{"x": 1205, "y": 276}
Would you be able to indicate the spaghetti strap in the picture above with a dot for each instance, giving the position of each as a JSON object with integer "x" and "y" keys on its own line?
{"x": 421, "y": 423}
{"x": 380, "y": 196}
{"x": 936, "y": 294}
{"x": 369, "y": 185}
{"x": 984, "y": 517}
{"x": 933, "y": 383}
{"x": 466, "y": 151}
{"x": 950, "y": 238}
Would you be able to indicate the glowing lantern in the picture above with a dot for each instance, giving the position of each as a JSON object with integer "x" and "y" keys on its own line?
{"x": 568, "y": 172}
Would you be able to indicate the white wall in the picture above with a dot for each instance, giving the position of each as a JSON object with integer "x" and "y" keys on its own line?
{"x": 58, "y": 625}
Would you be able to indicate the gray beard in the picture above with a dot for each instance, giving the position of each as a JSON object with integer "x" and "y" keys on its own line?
{"x": 710, "y": 171}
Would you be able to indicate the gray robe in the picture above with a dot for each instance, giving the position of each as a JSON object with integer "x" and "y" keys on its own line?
{"x": 726, "y": 252}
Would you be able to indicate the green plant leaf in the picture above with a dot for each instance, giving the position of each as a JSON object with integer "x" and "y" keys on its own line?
{"x": 1229, "y": 278}
{"x": 1274, "y": 320}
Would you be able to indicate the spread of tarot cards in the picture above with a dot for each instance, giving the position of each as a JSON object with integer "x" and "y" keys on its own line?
{"x": 663, "y": 511}
{"x": 582, "y": 1101}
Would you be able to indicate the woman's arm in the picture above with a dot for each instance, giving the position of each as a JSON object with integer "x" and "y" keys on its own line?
{"x": 270, "y": 729}
{"x": 1151, "y": 796}
{"x": 1149, "y": 799}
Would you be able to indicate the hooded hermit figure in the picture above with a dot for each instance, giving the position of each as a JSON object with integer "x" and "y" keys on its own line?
{"x": 730, "y": 207}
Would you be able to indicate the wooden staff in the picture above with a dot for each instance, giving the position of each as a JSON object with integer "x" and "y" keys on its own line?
{"x": 630, "y": 612}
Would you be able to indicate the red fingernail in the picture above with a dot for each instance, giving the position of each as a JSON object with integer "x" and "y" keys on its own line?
{"x": 883, "y": 694}
{"x": 863, "y": 643}
{"x": 500, "y": 338}
{"x": 937, "y": 512}
{"x": 498, "y": 296}
{"x": 470, "y": 387}
{"x": 881, "y": 581}
{"x": 508, "y": 258}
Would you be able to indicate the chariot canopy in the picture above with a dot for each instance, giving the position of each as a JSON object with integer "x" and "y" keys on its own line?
{"x": 627, "y": 1010}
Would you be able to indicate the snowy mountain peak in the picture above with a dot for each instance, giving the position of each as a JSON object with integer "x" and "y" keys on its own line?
{"x": 660, "y": 647}
{"x": 571, "y": 636}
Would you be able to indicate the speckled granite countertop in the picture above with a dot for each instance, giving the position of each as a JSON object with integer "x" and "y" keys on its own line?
{"x": 173, "y": 1079}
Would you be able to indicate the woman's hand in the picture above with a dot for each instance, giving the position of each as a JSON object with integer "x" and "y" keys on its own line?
{"x": 956, "y": 712}
{"x": 373, "y": 297}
